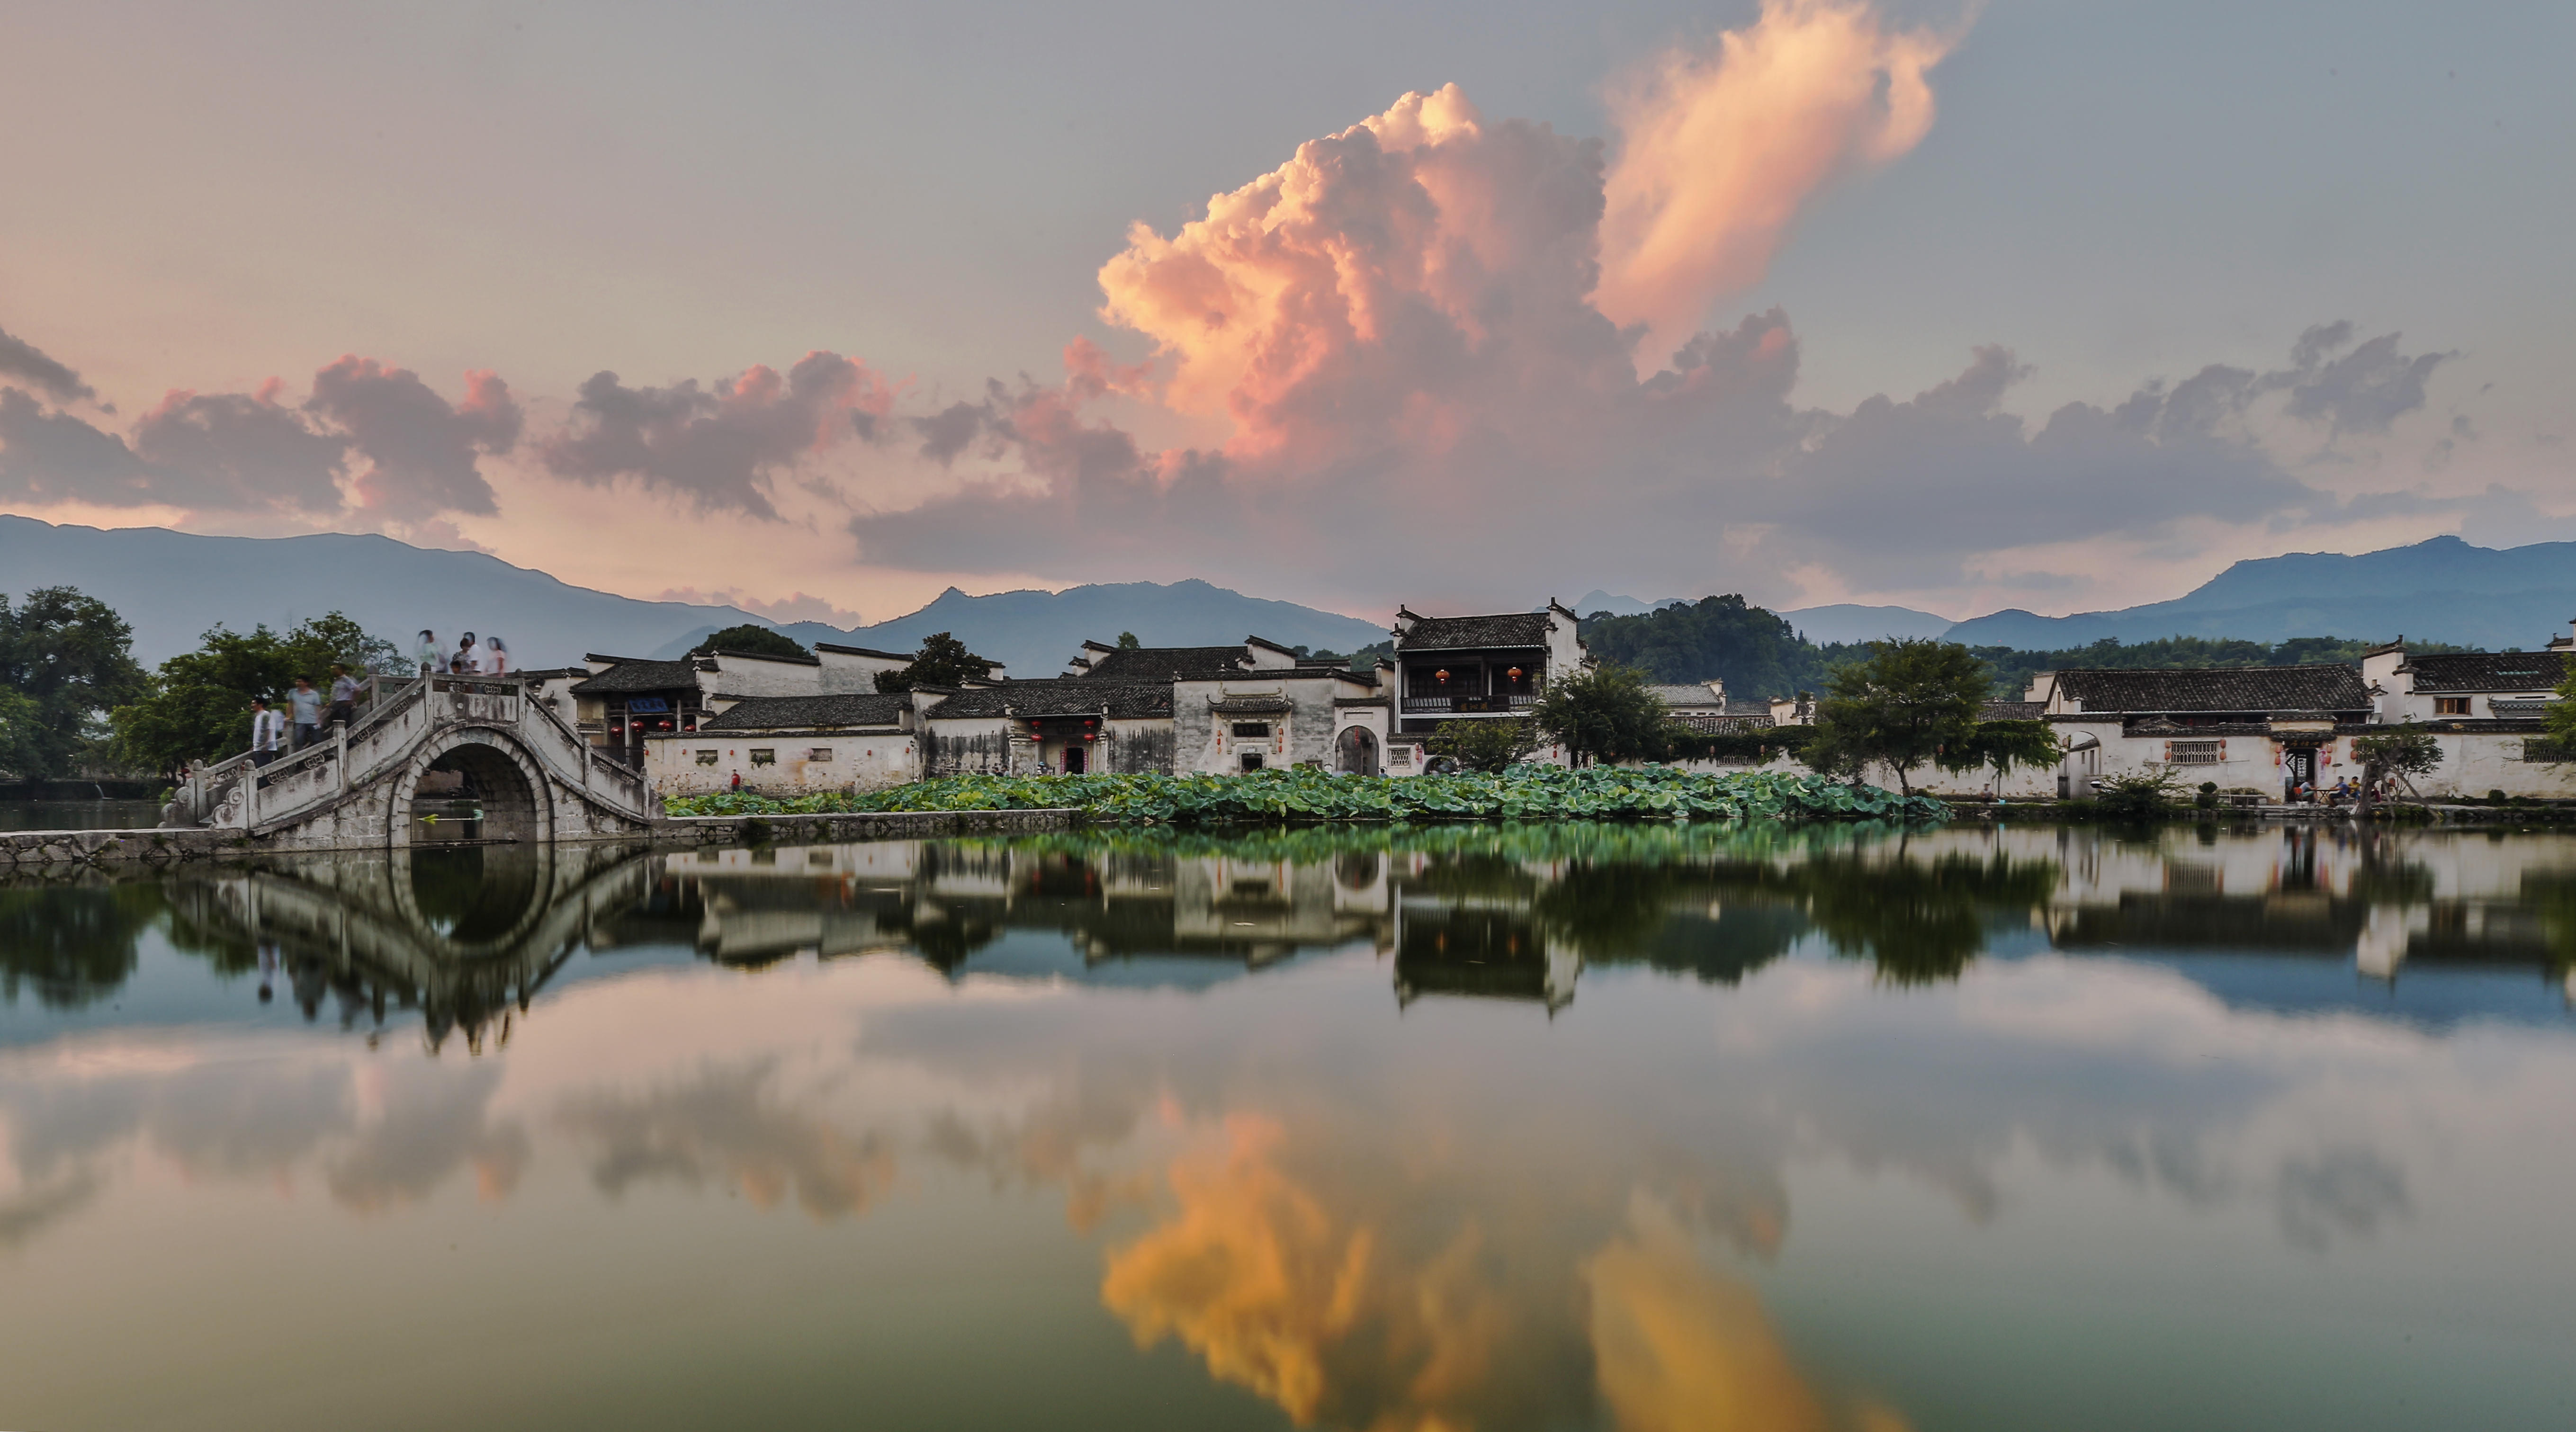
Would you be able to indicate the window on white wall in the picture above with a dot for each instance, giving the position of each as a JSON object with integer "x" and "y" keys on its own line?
{"x": 2196, "y": 753}
{"x": 706, "y": 758}
{"x": 819, "y": 753}
{"x": 764, "y": 756}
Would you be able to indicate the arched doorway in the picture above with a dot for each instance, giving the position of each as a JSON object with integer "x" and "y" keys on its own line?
{"x": 1355, "y": 751}
{"x": 474, "y": 788}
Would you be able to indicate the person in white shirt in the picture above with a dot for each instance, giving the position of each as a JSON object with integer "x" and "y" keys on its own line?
{"x": 432, "y": 656}
{"x": 497, "y": 654}
{"x": 307, "y": 705}
{"x": 469, "y": 657}
{"x": 267, "y": 729}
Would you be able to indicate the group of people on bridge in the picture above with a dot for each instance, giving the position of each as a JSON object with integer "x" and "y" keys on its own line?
{"x": 485, "y": 656}
{"x": 274, "y": 733}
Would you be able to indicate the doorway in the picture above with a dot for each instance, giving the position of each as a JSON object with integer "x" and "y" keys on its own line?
{"x": 1356, "y": 749}
{"x": 1073, "y": 760}
{"x": 2298, "y": 767}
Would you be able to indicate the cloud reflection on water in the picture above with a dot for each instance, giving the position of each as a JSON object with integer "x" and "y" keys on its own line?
{"x": 1453, "y": 1210}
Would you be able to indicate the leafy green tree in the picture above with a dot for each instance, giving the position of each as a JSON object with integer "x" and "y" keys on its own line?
{"x": 2137, "y": 796}
{"x": 1483, "y": 745}
{"x": 750, "y": 638}
{"x": 2002, "y": 745}
{"x": 1603, "y": 713}
{"x": 197, "y": 707}
{"x": 1901, "y": 708}
{"x": 65, "y": 661}
{"x": 2407, "y": 752}
{"x": 942, "y": 661}
{"x": 1751, "y": 649}
{"x": 1127, "y": 642}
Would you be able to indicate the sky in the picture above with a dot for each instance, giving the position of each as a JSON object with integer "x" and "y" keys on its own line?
{"x": 823, "y": 309}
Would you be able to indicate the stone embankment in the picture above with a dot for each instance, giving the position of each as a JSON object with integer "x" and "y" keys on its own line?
{"x": 36, "y": 849}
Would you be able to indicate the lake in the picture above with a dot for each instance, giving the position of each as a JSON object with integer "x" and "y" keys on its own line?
{"x": 1542, "y": 1127}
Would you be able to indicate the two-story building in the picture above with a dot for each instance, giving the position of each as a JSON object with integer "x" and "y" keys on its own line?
{"x": 2265, "y": 728}
{"x": 1477, "y": 668}
{"x": 2486, "y": 710}
{"x": 627, "y": 701}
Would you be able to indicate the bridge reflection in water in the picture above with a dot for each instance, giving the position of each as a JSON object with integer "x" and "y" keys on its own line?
{"x": 467, "y": 936}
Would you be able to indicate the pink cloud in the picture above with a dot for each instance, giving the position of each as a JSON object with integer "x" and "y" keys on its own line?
{"x": 1720, "y": 148}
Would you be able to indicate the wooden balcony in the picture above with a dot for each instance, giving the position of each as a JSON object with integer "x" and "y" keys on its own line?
{"x": 1468, "y": 705}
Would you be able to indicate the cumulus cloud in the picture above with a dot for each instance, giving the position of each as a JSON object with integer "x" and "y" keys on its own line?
{"x": 1721, "y": 146}
{"x": 420, "y": 450}
{"x": 23, "y": 362}
{"x": 720, "y": 448}
{"x": 373, "y": 444}
{"x": 1421, "y": 334}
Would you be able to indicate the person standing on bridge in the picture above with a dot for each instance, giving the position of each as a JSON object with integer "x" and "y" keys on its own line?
{"x": 496, "y": 656}
{"x": 307, "y": 706}
{"x": 267, "y": 728}
{"x": 344, "y": 695}
{"x": 432, "y": 658}
{"x": 468, "y": 659}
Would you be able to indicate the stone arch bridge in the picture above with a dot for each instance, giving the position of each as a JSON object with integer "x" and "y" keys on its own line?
{"x": 534, "y": 776}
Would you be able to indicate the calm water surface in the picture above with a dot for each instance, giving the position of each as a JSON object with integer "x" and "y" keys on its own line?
{"x": 1552, "y": 1128}
{"x": 79, "y": 815}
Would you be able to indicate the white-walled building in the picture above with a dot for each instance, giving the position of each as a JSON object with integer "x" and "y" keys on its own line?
{"x": 788, "y": 746}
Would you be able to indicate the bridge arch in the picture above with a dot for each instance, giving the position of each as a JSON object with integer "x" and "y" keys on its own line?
{"x": 507, "y": 779}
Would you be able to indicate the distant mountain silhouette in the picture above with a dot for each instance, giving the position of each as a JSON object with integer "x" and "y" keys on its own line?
{"x": 2442, "y": 589}
{"x": 1845, "y": 622}
{"x": 172, "y": 586}
{"x": 1034, "y": 633}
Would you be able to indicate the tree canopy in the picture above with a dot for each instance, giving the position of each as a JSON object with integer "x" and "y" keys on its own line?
{"x": 1487, "y": 746}
{"x": 751, "y": 638}
{"x": 1752, "y": 650}
{"x": 1603, "y": 713}
{"x": 942, "y": 661}
{"x": 1902, "y": 707}
{"x": 65, "y": 661}
{"x": 197, "y": 706}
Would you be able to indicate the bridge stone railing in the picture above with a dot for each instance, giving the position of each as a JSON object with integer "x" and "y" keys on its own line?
{"x": 587, "y": 793}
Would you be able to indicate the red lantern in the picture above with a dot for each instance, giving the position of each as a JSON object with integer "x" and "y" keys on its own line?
{"x": 1441, "y": 676}
{"x": 1514, "y": 673}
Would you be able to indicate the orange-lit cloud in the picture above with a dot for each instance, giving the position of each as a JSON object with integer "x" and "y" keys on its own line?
{"x": 1720, "y": 148}
{"x": 1253, "y": 1275}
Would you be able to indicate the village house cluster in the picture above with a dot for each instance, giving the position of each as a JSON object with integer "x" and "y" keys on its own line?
{"x": 798, "y": 724}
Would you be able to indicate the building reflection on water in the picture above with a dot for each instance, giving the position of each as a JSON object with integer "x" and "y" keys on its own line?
{"x": 467, "y": 937}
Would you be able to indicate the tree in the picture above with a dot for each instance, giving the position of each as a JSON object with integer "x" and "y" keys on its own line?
{"x": 2407, "y": 752}
{"x": 1127, "y": 642}
{"x": 1483, "y": 745}
{"x": 1904, "y": 706}
{"x": 198, "y": 705}
{"x": 1603, "y": 713}
{"x": 2002, "y": 745}
{"x": 942, "y": 661}
{"x": 752, "y": 639}
{"x": 66, "y": 660}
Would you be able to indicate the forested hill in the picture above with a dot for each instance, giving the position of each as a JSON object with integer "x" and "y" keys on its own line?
{"x": 1758, "y": 654}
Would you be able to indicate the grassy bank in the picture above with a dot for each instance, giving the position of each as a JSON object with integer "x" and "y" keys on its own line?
{"x": 1276, "y": 797}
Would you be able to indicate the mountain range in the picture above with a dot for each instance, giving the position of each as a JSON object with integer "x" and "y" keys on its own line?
{"x": 173, "y": 586}
{"x": 2442, "y": 589}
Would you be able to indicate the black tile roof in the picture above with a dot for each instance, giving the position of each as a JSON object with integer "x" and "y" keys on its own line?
{"x": 833, "y": 646}
{"x": 782, "y": 713}
{"x": 1162, "y": 663}
{"x": 1512, "y": 629}
{"x": 1692, "y": 694}
{"x": 2012, "y": 710}
{"x": 1059, "y": 696}
{"x": 800, "y": 659}
{"x": 2489, "y": 671}
{"x": 633, "y": 677}
{"x": 2319, "y": 688}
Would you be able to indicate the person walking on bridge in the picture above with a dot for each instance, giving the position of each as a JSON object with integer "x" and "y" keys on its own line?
{"x": 267, "y": 728}
{"x": 432, "y": 657}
